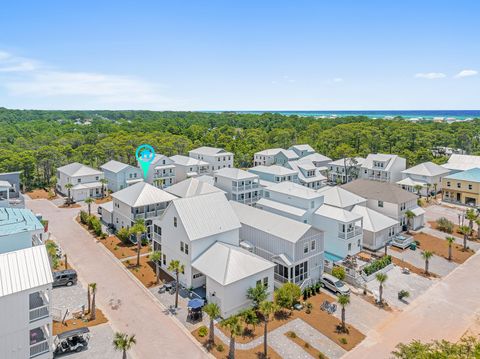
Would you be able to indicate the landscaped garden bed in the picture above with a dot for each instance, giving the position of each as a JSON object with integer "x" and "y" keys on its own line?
{"x": 256, "y": 352}
{"x": 305, "y": 346}
{"x": 103, "y": 200}
{"x": 146, "y": 272}
{"x": 455, "y": 231}
{"x": 42, "y": 193}
{"x": 379, "y": 265}
{"x": 122, "y": 250}
{"x": 71, "y": 324}
{"x": 439, "y": 247}
{"x": 420, "y": 271}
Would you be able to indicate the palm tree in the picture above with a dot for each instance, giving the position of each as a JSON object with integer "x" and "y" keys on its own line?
{"x": 257, "y": 294}
{"x": 89, "y": 202}
{"x": 418, "y": 188}
{"x": 381, "y": 278}
{"x": 93, "y": 314}
{"x": 472, "y": 216}
{"x": 428, "y": 185}
{"x": 465, "y": 230}
{"x": 156, "y": 257}
{"x": 427, "y": 255}
{"x": 138, "y": 229}
{"x": 213, "y": 311}
{"x": 478, "y": 227}
{"x": 123, "y": 342}
{"x": 176, "y": 267}
{"x": 249, "y": 317}
{"x": 235, "y": 328}
{"x": 104, "y": 182}
{"x": 343, "y": 300}
{"x": 267, "y": 309}
{"x": 89, "y": 299}
{"x": 450, "y": 241}
{"x": 410, "y": 215}
{"x": 69, "y": 186}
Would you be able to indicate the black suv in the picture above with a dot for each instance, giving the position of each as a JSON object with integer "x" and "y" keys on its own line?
{"x": 66, "y": 277}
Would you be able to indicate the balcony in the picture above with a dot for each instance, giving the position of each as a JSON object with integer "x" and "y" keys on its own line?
{"x": 149, "y": 214}
{"x": 245, "y": 187}
{"x": 38, "y": 306}
{"x": 39, "y": 343}
{"x": 39, "y": 349}
{"x": 350, "y": 234}
{"x": 157, "y": 237}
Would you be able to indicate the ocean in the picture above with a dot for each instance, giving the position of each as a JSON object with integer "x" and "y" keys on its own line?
{"x": 420, "y": 114}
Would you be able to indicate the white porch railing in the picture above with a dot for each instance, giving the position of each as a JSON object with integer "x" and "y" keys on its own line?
{"x": 39, "y": 313}
{"x": 39, "y": 348}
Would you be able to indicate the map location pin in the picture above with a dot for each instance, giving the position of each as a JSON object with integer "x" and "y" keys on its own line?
{"x": 145, "y": 155}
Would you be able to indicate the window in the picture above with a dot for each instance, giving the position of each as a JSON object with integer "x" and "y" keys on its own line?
{"x": 182, "y": 248}
{"x": 470, "y": 186}
{"x": 448, "y": 184}
{"x": 459, "y": 185}
{"x": 174, "y": 221}
{"x": 79, "y": 180}
{"x": 186, "y": 248}
{"x": 157, "y": 229}
{"x": 197, "y": 275}
{"x": 403, "y": 206}
{"x": 164, "y": 259}
{"x": 259, "y": 282}
{"x": 380, "y": 204}
{"x": 305, "y": 248}
{"x": 312, "y": 204}
{"x": 313, "y": 244}
{"x": 349, "y": 246}
{"x": 266, "y": 194}
{"x": 265, "y": 282}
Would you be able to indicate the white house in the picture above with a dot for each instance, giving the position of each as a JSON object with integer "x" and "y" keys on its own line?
{"x": 317, "y": 159}
{"x": 383, "y": 167}
{"x": 161, "y": 171}
{"x": 295, "y": 248}
{"x": 266, "y": 157}
{"x": 25, "y": 309}
{"x": 202, "y": 232}
{"x": 302, "y": 150}
{"x": 345, "y": 169}
{"x": 339, "y": 197}
{"x": 120, "y": 175}
{"x": 378, "y": 229}
{"x": 216, "y": 157}
{"x": 389, "y": 199}
{"x": 192, "y": 187}
{"x": 19, "y": 229}
{"x": 186, "y": 167}
{"x": 428, "y": 175}
{"x": 239, "y": 185}
{"x": 139, "y": 201}
{"x": 308, "y": 174}
{"x": 458, "y": 163}
{"x": 274, "y": 174}
{"x": 10, "y": 195}
{"x": 85, "y": 180}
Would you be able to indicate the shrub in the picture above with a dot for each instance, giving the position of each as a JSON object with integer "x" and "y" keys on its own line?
{"x": 103, "y": 235}
{"x": 444, "y": 225}
{"x": 377, "y": 265}
{"x": 202, "y": 331}
{"x": 306, "y": 345}
{"x": 403, "y": 294}
{"x": 83, "y": 217}
{"x": 338, "y": 272}
{"x": 321, "y": 356}
{"x": 220, "y": 348}
{"x": 343, "y": 341}
{"x": 317, "y": 287}
{"x": 123, "y": 234}
{"x": 292, "y": 334}
{"x": 309, "y": 308}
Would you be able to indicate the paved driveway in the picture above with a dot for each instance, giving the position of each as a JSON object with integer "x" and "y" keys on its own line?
{"x": 128, "y": 305}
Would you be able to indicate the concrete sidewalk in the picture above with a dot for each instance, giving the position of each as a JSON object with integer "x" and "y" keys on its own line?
{"x": 446, "y": 311}
{"x": 127, "y": 304}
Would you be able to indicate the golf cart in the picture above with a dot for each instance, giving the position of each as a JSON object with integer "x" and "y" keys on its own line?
{"x": 74, "y": 340}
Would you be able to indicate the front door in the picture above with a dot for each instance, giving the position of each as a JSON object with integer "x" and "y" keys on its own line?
{"x": 459, "y": 197}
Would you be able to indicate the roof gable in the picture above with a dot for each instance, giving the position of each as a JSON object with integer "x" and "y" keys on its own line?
{"x": 142, "y": 194}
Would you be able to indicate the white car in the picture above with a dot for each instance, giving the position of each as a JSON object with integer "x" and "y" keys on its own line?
{"x": 334, "y": 284}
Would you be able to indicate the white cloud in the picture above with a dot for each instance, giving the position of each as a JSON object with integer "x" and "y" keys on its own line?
{"x": 338, "y": 79}
{"x": 430, "y": 75}
{"x": 466, "y": 73}
{"x": 27, "y": 78}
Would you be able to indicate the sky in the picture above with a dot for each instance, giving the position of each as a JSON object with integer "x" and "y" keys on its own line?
{"x": 240, "y": 55}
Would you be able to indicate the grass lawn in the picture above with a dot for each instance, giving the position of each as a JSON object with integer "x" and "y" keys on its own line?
{"x": 42, "y": 193}
{"x": 440, "y": 247}
{"x": 256, "y": 352}
{"x": 79, "y": 323}
{"x": 121, "y": 250}
{"x": 318, "y": 319}
{"x": 305, "y": 346}
{"x": 146, "y": 272}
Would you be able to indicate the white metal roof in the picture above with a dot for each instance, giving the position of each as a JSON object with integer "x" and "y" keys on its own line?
{"x": 379, "y": 157}
{"x": 462, "y": 162}
{"x": 24, "y": 269}
{"x": 305, "y": 147}
{"x": 291, "y": 155}
{"x": 269, "y": 152}
{"x": 418, "y": 211}
{"x": 301, "y": 166}
{"x": 142, "y": 194}
{"x": 87, "y": 185}
{"x": 107, "y": 206}
{"x": 316, "y": 157}
{"x": 428, "y": 169}
{"x": 339, "y": 197}
{"x": 210, "y": 151}
{"x": 235, "y": 173}
{"x": 274, "y": 169}
{"x": 206, "y": 178}
{"x": 336, "y": 213}
{"x": 206, "y": 215}
{"x": 374, "y": 221}
{"x": 294, "y": 211}
{"x": 192, "y": 187}
{"x": 5, "y": 184}
{"x": 114, "y": 166}
{"x": 409, "y": 182}
{"x": 282, "y": 227}
{"x": 294, "y": 189}
{"x": 187, "y": 161}
{"x": 76, "y": 169}
{"x": 227, "y": 264}
{"x": 341, "y": 162}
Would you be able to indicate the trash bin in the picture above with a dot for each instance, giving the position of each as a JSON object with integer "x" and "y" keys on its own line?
{"x": 413, "y": 246}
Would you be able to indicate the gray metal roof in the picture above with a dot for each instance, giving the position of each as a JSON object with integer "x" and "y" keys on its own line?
{"x": 206, "y": 215}
{"x": 24, "y": 269}
{"x": 380, "y": 191}
{"x": 114, "y": 166}
{"x": 187, "y": 161}
{"x": 227, "y": 264}
{"x": 235, "y": 173}
{"x": 76, "y": 169}
{"x": 340, "y": 197}
{"x": 192, "y": 187}
{"x": 142, "y": 194}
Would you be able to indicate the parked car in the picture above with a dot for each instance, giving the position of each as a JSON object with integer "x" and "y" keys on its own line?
{"x": 334, "y": 284}
{"x": 74, "y": 340}
{"x": 66, "y": 277}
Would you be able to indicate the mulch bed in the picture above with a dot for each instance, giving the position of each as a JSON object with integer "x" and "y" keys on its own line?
{"x": 256, "y": 352}
{"x": 371, "y": 299}
{"x": 73, "y": 205}
{"x": 41, "y": 193}
{"x": 103, "y": 200}
{"x": 456, "y": 231}
{"x": 121, "y": 250}
{"x": 71, "y": 324}
{"x": 439, "y": 247}
{"x": 146, "y": 272}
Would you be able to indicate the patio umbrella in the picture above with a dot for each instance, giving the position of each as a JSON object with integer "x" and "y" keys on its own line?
{"x": 196, "y": 303}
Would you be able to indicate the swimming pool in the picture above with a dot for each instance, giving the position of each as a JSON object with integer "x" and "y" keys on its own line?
{"x": 332, "y": 257}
